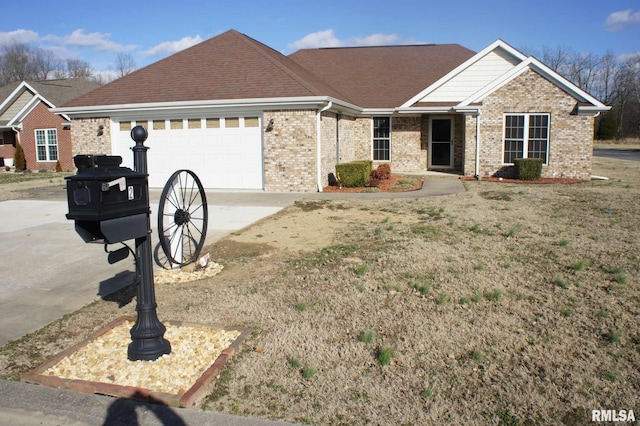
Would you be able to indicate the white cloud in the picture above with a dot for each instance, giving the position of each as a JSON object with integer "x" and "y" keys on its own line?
{"x": 95, "y": 41}
{"x": 374, "y": 40}
{"x": 621, "y": 19}
{"x": 318, "y": 39}
{"x": 18, "y": 36}
{"x": 327, "y": 38}
{"x": 170, "y": 47}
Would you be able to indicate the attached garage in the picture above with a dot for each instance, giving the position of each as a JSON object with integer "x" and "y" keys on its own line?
{"x": 224, "y": 151}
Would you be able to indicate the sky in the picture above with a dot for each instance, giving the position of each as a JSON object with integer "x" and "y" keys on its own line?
{"x": 152, "y": 30}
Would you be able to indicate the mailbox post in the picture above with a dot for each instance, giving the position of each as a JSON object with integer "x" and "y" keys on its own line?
{"x": 110, "y": 204}
{"x": 147, "y": 335}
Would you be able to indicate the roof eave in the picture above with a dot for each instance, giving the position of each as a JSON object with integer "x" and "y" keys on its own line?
{"x": 425, "y": 110}
{"x": 591, "y": 110}
{"x": 223, "y": 104}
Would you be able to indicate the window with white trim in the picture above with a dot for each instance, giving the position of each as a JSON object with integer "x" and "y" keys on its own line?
{"x": 381, "y": 138}
{"x": 526, "y": 136}
{"x": 47, "y": 144}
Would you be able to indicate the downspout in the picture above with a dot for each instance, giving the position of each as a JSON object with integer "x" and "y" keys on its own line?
{"x": 318, "y": 145}
{"x": 478, "y": 146}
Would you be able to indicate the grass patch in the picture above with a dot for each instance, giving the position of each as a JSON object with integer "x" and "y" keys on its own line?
{"x": 6, "y": 178}
{"x": 423, "y": 289}
{"x": 406, "y": 183}
{"x": 580, "y": 266}
{"x": 477, "y": 356}
{"x": 424, "y": 230}
{"x": 294, "y": 363}
{"x": 442, "y": 299}
{"x": 385, "y": 355}
{"x": 562, "y": 283}
{"x": 367, "y": 336}
{"x": 611, "y": 374}
{"x": 494, "y": 295}
{"x": 361, "y": 270}
{"x": 309, "y": 372}
{"x": 614, "y": 336}
{"x": 301, "y": 306}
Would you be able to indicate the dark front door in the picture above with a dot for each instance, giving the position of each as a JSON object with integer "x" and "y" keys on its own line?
{"x": 441, "y": 143}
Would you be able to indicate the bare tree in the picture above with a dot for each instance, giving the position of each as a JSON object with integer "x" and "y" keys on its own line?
{"x": 77, "y": 68}
{"x": 44, "y": 63}
{"x": 582, "y": 70}
{"x": 15, "y": 62}
{"x": 557, "y": 59}
{"x": 125, "y": 64}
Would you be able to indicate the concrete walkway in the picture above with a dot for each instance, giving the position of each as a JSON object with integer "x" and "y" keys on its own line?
{"x": 51, "y": 279}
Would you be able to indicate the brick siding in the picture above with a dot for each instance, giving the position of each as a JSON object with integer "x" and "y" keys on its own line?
{"x": 41, "y": 118}
{"x": 85, "y": 136}
{"x": 290, "y": 151}
{"x": 571, "y": 136}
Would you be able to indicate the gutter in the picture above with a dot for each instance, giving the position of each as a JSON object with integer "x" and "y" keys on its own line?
{"x": 318, "y": 145}
{"x": 161, "y": 108}
{"x": 478, "y": 145}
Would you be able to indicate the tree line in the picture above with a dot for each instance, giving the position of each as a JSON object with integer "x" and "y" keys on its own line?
{"x": 613, "y": 80}
{"x": 20, "y": 61}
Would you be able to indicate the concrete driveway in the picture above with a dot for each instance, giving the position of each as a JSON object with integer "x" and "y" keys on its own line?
{"x": 48, "y": 271}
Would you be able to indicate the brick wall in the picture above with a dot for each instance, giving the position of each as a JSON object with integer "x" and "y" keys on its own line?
{"x": 469, "y": 160}
{"x": 290, "y": 151}
{"x": 328, "y": 153}
{"x": 570, "y": 139}
{"x": 407, "y": 153}
{"x": 41, "y": 118}
{"x": 84, "y": 132}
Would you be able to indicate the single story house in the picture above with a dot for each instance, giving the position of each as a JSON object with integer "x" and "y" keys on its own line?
{"x": 26, "y": 118}
{"x": 242, "y": 115}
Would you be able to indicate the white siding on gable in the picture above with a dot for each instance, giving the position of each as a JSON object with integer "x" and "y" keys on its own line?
{"x": 17, "y": 105}
{"x": 475, "y": 77}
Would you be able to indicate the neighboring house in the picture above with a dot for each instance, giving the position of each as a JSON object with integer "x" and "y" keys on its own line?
{"x": 25, "y": 117}
{"x": 242, "y": 115}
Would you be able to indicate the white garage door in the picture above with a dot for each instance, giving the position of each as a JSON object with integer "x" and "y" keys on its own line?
{"x": 225, "y": 152}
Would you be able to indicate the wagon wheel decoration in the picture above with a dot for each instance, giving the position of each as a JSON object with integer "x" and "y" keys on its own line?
{"x": 182, "y": 217}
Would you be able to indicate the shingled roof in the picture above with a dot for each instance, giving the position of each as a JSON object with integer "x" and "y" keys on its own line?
{"x": 234, "y": 66}
{"x": 228, "y": 66}
{"x": 384, "y": 76}
{"x": 58, "y": 92}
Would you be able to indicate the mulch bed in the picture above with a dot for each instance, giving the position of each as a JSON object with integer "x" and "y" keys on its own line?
{"x": 538, "y": 181}
{"x": 384, "y": 186}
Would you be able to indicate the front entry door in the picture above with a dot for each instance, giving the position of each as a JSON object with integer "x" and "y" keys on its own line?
{"x": 441, "y": 143}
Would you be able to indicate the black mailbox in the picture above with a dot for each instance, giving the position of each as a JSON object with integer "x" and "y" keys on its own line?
{"x": 107, "y": 202}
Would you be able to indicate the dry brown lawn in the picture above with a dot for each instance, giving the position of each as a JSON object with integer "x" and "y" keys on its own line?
{"x": 506, "y": 304}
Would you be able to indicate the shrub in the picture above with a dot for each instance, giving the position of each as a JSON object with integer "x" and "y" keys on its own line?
{"x": 528, "y": 168}
{"x": 382, "y": 172}
{"x": 355, "y": 173}
{"x": 58, "y": 166}
{"x": 19, "y": 161}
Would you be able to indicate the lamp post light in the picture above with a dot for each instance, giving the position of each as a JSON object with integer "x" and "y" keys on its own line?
{"x": 147, "y": 335}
